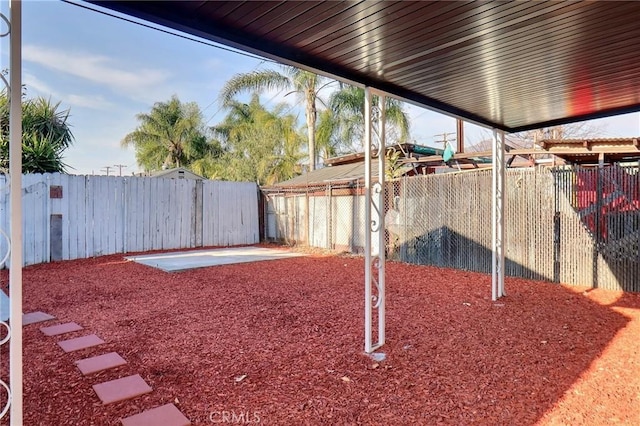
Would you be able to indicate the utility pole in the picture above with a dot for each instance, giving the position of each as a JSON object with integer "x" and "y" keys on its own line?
{"x": 106, "y": 169}
{"x": 120, "y": 167}
{"x": 444, "y": 140}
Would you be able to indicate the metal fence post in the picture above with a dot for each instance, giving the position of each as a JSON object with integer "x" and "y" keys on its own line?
{"x": 597, "y": 241}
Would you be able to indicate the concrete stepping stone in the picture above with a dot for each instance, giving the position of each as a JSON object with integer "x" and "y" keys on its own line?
{"x": 165, "y": 415}
{"x": 80, "y": 343}
{"x": 54, "y": 330}
{"x": 121, "y": 389}
{"x": 100, "y": 363}
{"x": 34, "y": 317}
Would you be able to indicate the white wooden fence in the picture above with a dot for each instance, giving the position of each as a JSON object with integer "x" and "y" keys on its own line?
{"x": 73, "y": 217}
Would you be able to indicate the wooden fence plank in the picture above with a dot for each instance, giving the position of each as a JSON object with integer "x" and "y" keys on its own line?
{"x": 104, "y": 215}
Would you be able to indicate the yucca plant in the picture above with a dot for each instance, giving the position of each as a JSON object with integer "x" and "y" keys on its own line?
{"x": 46, "y": 134}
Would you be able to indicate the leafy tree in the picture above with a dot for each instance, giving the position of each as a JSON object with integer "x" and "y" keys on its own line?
{"x": 347, "y": 105}
{"x": 578, "y": 130}
{"x": 172, "y": 134}
{"x": 46, "y": 134}
{"x": 260, "y": 145}
{"x": 304, "y": 84}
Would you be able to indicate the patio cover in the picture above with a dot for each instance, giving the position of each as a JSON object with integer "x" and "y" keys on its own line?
{"x": 512, "y": 66}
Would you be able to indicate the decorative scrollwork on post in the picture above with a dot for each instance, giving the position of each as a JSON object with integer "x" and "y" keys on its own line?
{"x": 374, "y": 221}
{"x": 376, "y": 189}
{"x": 7, "y": 23}
{"x": 376, "y": 113}
{"x": 7, "y": 327}
{"x": 375, "y": 274}
{"x": 5, "y": 30}
{"x": 7, "y": 404}
{"x": 497, "y": 243}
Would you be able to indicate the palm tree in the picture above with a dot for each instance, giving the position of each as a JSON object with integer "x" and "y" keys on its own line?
{"x": 328, "y": 139}
{"x": 172, "y": 134}
{"x": 347, "y": 105}
{"x": 304, "y": 83}
{"x": 46, "y": 134}
{"x": 260, "y": 145}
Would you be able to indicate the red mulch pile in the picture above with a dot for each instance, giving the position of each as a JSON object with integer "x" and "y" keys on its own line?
{"x": 282, "y": 342}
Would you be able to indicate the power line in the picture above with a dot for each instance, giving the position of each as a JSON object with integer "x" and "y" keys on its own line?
{"x": 120, "y": 167}
{"x": 106, "y": 169}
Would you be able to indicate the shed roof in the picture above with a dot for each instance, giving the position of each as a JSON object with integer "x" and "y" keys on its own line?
{"x": 510, "y": 65}
{"x": 177, "y": 173}
{"x": 339, "y": 173}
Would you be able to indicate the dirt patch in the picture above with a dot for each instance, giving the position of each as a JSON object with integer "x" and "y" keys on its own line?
{"x": 282, "y": 342}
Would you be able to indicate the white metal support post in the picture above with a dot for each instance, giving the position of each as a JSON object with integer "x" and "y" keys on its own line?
{"x": 374, "y": 282}
{"x": 15, "y": 170}
{"x": 14, "y": 90}
{"x": 497, "y": 202}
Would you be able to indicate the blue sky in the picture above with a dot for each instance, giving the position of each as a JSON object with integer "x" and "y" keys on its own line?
{"x": 106, "y": 70}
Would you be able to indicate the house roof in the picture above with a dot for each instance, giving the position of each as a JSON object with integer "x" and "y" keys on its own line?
{"x": 574, "y": 151}
{"x": 409, "y": 149}
{"x": 591, "y": 151}
{"x": 513, "y": 66}
{"x": 350, "y": 167}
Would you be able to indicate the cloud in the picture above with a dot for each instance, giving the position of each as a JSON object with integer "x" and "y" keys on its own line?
{"x": 135, "y": 83}
{"x": 94, "y": 102}
{"x": 33, "y": 83}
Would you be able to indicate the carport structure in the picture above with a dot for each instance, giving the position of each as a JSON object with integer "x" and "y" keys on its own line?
{"x": 508, "y": 66}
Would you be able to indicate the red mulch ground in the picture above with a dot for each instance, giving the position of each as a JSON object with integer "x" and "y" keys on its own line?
{"x": 293, "y": 328}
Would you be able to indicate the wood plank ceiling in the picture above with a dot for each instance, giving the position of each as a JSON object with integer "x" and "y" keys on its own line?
{"x": 510, "y": 65}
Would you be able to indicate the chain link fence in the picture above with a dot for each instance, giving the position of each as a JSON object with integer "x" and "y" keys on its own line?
{"x": 570, "y": 225}
{"x": 327, "y": 216}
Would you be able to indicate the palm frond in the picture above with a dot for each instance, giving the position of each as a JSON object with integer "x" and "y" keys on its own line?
{"x": 252, "y": 82}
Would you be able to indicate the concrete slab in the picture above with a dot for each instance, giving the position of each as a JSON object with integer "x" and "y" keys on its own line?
{"x": 54, "y": 330}
{"x": 35, "y": 317}
{"x": 121, "y": 389}
{"x": 80, "y": 343}
{"x": 100, "y": 363}
{"x": 180, "y": 261}
{"x": 165, "y": 415}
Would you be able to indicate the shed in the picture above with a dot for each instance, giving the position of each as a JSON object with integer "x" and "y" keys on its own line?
{"x": 177, "y": 173}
